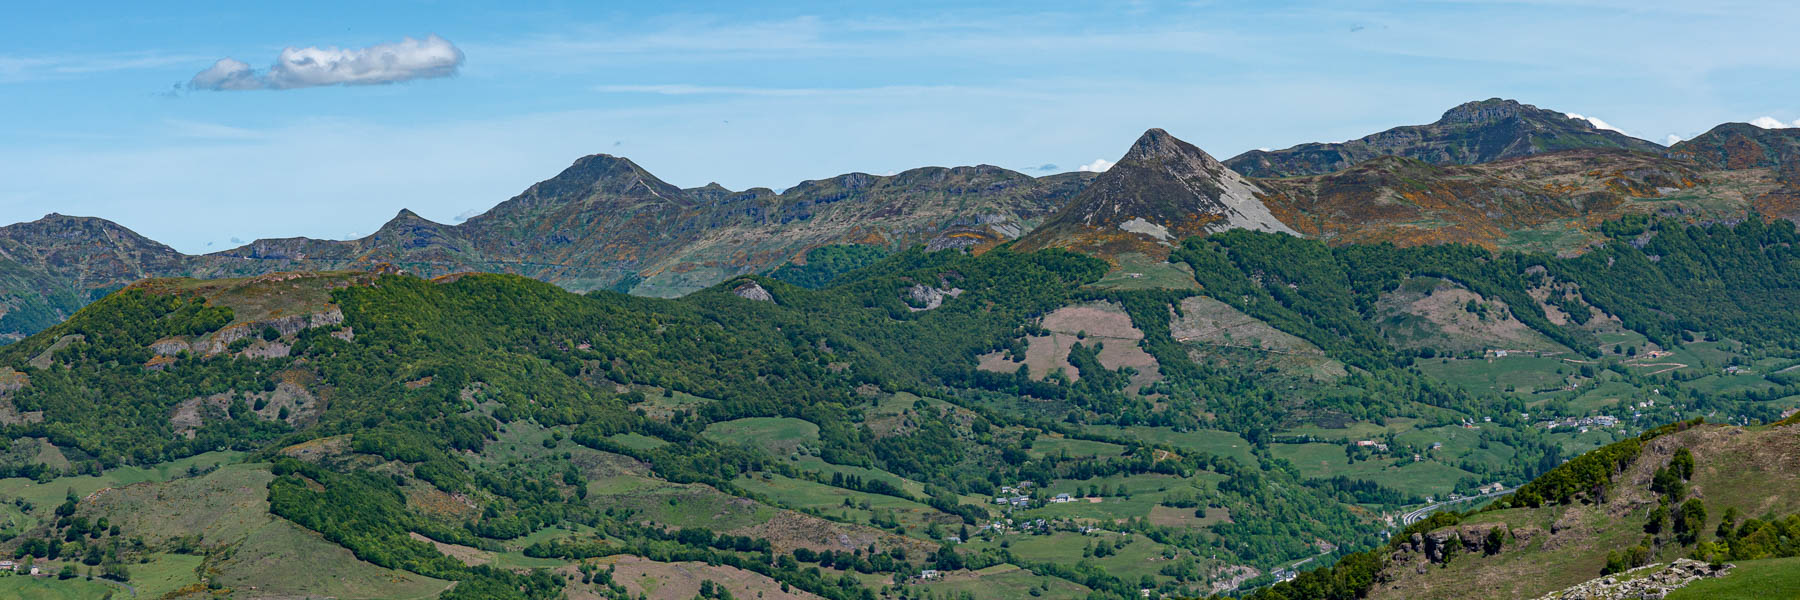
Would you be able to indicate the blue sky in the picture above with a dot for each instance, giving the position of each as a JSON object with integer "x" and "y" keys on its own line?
{"x": 100, "y": 118}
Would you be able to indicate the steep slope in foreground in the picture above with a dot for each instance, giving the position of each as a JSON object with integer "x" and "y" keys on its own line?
{"x": 1161, "y": 191}
{"x": 1471, "y": 133}
{"x": 1622, "y": 522}
{"x": 1711, "y": 492}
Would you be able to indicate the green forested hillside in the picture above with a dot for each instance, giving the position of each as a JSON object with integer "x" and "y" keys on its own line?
{"x": 840, "y": 437}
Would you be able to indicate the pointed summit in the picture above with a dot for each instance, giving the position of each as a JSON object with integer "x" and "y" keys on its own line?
{"x": 1155, "y": 141}
{"x": 1162, "y": 190}
{"x": 1469, "y": 133}
{"x": 1157, "y": 145}
{"x": 597, "y": 178}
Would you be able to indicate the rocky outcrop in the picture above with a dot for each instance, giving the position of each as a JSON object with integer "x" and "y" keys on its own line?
{"x": 287, "y": 326}
{"x": 1652, "y": 582}
{"x": 193, "y": 413}
{"x": 1438, "y": 547}
{"x": 12, "y": 381}
{"x": 923, "y": 297}
{"x": 169, "y": 346}
{"x": 751, "y": 290}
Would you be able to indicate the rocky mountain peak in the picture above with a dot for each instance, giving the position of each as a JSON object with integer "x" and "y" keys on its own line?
{"x": 57, "y": 228}
{"x": 1485, "y": 111}
{"x": 1161, "y": 190}
{"x": 1155, "y": 144}
{"x": 606, "y": 175}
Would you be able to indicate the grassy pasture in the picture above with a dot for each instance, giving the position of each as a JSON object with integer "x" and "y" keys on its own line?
{"x": 1006, "y": 582}
{"x": 1054, "y": 446}
{"x": 24, "y": 587}
{"x": 1750, "y": 580}
{"x": 1218, "y": 443}
{"x": 802, "y": 494}
{"x": 780, "y": 436}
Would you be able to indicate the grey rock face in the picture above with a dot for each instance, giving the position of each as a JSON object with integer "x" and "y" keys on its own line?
{"x": 751, "y": 290}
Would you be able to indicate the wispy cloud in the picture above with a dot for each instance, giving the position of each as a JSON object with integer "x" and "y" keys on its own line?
{"x": 17, "y": 69}
{"x": 210, "y": 131}
{"x": 682, "y": 89}
{"x": 1006, "y": 37}
{"x": 315, "y": 66}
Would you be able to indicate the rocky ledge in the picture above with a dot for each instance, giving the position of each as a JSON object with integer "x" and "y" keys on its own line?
{"x": 1651, "y": 582}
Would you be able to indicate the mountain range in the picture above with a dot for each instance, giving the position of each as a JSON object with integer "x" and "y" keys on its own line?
{"x": 1495, "y": 172}
{"x": 1562, "y": 374}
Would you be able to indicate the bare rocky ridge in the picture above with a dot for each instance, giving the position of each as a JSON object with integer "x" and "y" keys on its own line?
{"x": 607, "y": 223}
{"x": 1470, "y": 133}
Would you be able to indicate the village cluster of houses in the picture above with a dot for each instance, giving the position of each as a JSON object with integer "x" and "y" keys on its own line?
{"x": 1581, "y": 423}
{"x": 7, "y": 565}
{"x": 1014, "y": 496}
{"x": 1019, "y": 496}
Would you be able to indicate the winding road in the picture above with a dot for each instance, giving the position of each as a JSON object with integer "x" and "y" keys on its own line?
{"x": 1419, "y": 514}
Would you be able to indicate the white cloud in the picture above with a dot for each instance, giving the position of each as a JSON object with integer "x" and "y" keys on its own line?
{"x": 1773, "y": 123}
{"x": 1596, "y": 122}
{"x": 227, "y": 74}
{"x": 468, "y": 214}
{"x": 315, "y": 66}
{"x": 1100, "y": 165}
{"x": 1671, "y": 139}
